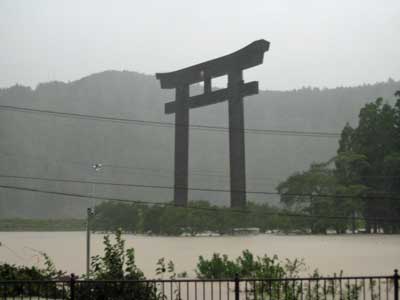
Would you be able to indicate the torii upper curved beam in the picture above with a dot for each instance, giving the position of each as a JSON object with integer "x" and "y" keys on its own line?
{"x": 247, "y": 57}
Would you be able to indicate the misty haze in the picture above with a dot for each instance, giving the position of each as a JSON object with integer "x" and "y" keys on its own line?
{"x": 252, "y": 143}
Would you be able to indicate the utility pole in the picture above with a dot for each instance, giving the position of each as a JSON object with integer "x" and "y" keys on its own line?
{"x": 90, "y": 213}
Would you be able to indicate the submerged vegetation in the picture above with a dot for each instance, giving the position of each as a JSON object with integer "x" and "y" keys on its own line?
{"x": 170, "y": 220}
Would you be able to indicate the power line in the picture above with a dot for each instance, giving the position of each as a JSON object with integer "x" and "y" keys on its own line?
{"x": 169, "y": 124}
{"x": 388, "y": 196}
{"x": 123, "y": 184}
{"x": 292, "y": 215}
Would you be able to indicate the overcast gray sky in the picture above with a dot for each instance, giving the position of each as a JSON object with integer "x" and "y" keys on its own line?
{"x": 313, "y": 43}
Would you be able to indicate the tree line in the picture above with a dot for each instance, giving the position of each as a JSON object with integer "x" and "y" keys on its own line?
{"x": 201, "y": 216}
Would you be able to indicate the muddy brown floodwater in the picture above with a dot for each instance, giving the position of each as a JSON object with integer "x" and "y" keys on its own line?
{"x": 355, "y": 255}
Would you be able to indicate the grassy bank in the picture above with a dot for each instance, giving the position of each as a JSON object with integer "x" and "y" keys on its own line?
{"x": 42, "y": 225}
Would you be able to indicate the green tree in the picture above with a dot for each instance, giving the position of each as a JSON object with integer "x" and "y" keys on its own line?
{"x": 300, "y": 193}
{"x": 21, "y": 273}
{"x": 246, "y": 266}
{"x": 365, "y": 180}
{"x": 372, "y": 152}
{"x": 348, "y": 167}
{"x": 117, "y": 263}
{"x": 112, "y": 215}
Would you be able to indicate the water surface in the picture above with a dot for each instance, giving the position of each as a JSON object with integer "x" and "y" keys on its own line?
{"x": 355, "y": 255}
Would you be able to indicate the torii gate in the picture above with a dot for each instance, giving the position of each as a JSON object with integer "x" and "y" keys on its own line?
{"x": 232, "y": 65}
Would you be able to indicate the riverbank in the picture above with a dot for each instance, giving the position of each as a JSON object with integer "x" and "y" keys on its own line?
{"x": 65, "y": 225}
{"x": 15, "y": 225}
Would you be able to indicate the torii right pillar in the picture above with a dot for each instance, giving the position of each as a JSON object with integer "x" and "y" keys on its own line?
{"x": 237, "y": 157}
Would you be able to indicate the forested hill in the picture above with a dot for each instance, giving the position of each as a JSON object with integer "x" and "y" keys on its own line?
{"x": 45, "y": 145}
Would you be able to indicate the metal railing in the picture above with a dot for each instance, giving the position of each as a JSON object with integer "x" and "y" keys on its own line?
{"x": 312, "y": 288}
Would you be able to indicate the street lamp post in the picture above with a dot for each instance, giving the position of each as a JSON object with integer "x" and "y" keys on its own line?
{"x": 96, "y": 167}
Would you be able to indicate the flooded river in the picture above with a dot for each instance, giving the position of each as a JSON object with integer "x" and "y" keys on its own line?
{"x": 355, "y": 255}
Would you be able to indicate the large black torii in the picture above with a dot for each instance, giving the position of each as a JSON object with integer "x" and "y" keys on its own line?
{"x": 232, "y": 65}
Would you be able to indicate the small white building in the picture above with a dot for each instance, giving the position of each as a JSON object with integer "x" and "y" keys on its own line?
{"x": 246, "y": 231}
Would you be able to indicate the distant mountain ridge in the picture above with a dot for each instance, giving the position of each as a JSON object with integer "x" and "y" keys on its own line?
{"x": 57, "y": 147}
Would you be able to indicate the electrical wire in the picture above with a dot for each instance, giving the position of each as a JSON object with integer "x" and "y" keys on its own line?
{"x": 388, "y": 196}
{"x": 169, "y": 124}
